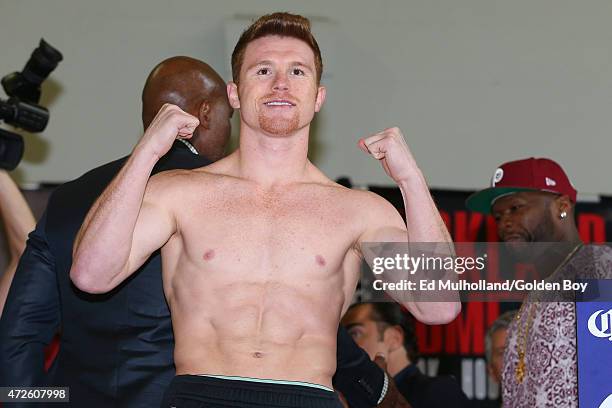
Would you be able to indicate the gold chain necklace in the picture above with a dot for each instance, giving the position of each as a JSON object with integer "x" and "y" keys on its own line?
{"x": 521, "y": 341}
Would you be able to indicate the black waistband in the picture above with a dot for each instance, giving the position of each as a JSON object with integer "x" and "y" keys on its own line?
{"x": 213, "y": 392}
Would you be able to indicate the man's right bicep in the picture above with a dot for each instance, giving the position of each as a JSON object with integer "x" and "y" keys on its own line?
{"x": 154, "y": 227}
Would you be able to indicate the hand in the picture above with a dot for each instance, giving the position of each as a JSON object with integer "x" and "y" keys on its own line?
{"x": 381, "y": 362}
{"x": 343, "y": 400}
{"x": 390, "y": 148}
{"x": 393, "y": 398}
{"x": 170, "y": 123}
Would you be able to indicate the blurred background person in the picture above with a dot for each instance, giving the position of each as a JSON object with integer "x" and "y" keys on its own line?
{"x": 495, "y": 344}
{"x": 383, "y": 328}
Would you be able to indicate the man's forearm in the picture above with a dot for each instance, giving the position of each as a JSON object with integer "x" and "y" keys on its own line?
{"x": 103, "y": 244}
{"x": 424, "y": 224}
{"x": 16, "y": 215}
{"x": 423, "y": 219}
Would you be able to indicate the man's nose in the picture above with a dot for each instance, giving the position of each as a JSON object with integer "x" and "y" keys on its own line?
{"x": 280, "y": 82}
{"x": 504, "y": 222}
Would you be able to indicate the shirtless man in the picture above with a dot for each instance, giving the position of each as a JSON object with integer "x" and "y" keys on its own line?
{"x": 260, "y": 250}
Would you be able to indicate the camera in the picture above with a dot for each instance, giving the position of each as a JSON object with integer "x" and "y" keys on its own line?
{"x": 21, "y": 109}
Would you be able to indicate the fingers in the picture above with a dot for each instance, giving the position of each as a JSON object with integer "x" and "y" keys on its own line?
{"x": 377, "y": 143}
{"x": 186, "y": 132}
{"x": 184, "y": 123}
{"x": 380, "y": 361}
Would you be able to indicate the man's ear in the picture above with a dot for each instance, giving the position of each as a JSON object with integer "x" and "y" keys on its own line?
{"x": 393, "y": 337}
{"x": 563, "y": 204}
{"x": 232, "y": 95}
{"x": 204, "y": 114}
{"x": 321, "y": 92}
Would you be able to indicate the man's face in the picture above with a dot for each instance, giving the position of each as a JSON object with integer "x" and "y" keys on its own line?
{"x": 278, "y": 90}
{"x": 365, "y": 331}
{"x": 498, "y": 344}
{"x": 524, "y": 217}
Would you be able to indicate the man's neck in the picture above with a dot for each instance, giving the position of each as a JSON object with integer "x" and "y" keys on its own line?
{"x": 397, "y": 361}
{"x": 270, "y": 159}
{"x": 558, "y": 254}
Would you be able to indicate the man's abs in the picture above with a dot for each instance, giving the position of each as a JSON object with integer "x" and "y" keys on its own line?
{"x": 261, "y": 330}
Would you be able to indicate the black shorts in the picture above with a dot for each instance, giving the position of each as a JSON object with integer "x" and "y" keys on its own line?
{"x": 194, "y": 391}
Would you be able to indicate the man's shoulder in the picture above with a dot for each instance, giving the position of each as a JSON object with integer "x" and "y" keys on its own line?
{"x": 376, "y": 210}
{"x": 184, "y": 182}
{"x": 365, "y": 199}
{"x": 96, "y": 179}
{"x": 594, "y": 262}
{"x": 599, "y": 250}
{"x": 92, "y": 179}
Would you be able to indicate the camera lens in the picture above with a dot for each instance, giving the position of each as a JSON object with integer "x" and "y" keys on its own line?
{"x": 44, "y": 59}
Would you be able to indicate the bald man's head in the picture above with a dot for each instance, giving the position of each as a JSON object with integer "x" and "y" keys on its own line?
{"x": 196, "y": 88}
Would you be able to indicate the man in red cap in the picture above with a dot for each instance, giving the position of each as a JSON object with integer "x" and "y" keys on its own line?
{"x": 532, "y": 200}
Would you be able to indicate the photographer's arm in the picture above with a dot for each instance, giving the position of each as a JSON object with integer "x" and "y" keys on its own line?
{"x": 18, "y": 222}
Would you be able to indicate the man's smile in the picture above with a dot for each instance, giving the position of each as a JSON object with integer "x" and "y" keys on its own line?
{"x": 279, "y": 102}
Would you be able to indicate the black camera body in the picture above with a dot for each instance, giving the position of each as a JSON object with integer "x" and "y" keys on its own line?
{"x": 21, "y": 109}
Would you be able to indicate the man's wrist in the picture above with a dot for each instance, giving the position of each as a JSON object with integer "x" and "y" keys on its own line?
{"x": 145, "y": 155}
{"x": 413, "y": 183}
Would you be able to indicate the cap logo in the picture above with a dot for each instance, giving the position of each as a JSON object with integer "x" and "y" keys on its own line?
{"x": 499, "y": 174}
{"x": 550, "y": 182}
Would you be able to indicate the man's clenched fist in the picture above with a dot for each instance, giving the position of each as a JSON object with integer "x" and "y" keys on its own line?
{"x": 390, "y": 148}
{"x": 170, "y": 123}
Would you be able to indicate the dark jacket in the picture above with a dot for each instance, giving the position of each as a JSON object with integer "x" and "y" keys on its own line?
{"x": 422, "y": 391}
{"x": 116, "y": 348}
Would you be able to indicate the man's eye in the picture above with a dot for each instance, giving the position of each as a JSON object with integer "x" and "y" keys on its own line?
{"x": 298, "y": 71}
{"x": 263, "y": 71}
{"x": 355, "y": 334}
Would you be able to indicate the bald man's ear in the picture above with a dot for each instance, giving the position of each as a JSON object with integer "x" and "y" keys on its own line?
{"x": 204, "y": 114}
{"x": 563, "y": 204}
{"x": 232, "y": 95}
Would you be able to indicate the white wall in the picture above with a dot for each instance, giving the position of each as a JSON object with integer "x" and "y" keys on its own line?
{"x": 472, "y": 83}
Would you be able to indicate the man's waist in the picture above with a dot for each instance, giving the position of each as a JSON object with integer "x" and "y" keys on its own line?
{"x": 286, "y": 371}
{"x": 267, "y": 381}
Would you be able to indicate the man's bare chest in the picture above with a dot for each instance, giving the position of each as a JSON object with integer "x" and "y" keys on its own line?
{"x": 268, "y": 232}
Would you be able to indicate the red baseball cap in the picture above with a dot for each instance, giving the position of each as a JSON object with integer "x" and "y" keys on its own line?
{"x": 532, "y": 174}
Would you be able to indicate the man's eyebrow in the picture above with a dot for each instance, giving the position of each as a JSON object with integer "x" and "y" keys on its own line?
{"x": 268, "y": 62}
{"x": 301, "y": 65}
{"x": 351, "y": 325}
{"x": 262, "y": 62}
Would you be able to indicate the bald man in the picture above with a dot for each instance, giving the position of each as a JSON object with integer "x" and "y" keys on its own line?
{"x": 116, "y": 349}
{"x": 184, "y": 81}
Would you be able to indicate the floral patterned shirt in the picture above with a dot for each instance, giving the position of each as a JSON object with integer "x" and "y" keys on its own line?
{"x": 550, "y": 376}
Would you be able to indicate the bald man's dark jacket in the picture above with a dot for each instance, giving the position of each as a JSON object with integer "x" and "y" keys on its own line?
{"x": 115, "y": 349}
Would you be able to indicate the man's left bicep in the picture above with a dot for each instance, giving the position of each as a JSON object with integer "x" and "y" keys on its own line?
{"x": 383, "y": 223}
